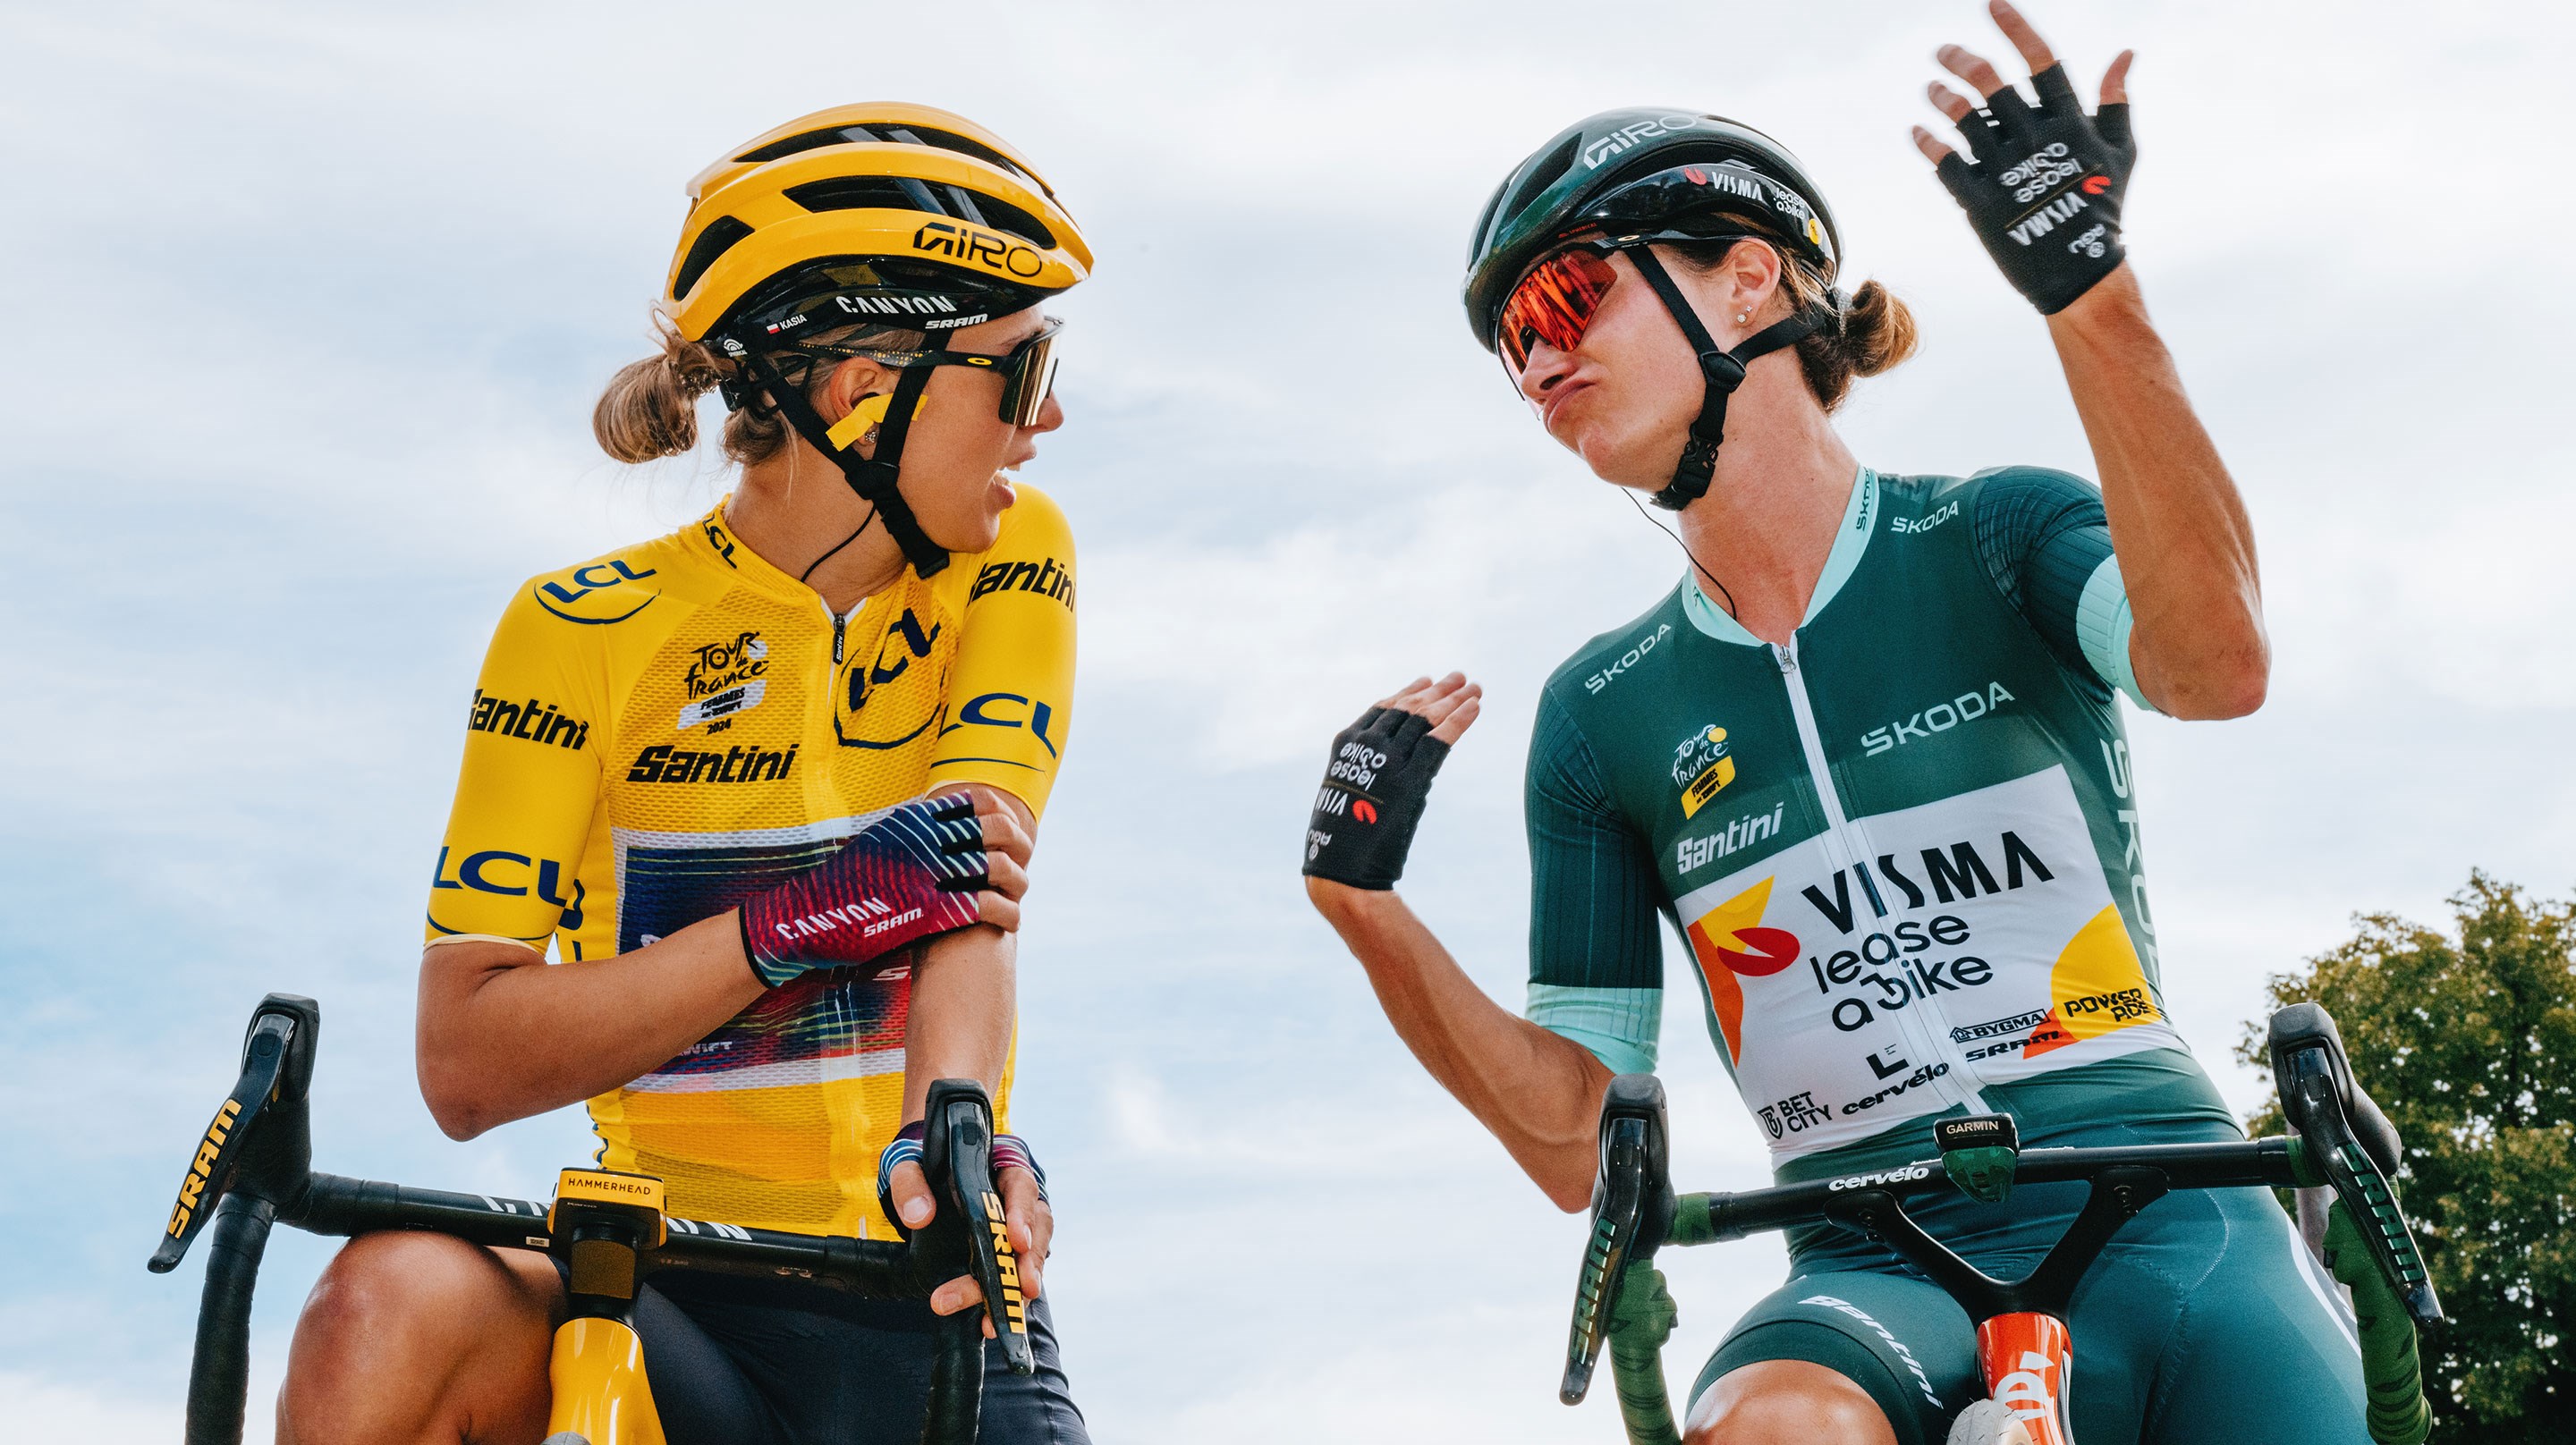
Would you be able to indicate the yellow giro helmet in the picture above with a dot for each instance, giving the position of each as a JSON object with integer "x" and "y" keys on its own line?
{"x": 926, "y": 211}
{"x": 900, "y": 215}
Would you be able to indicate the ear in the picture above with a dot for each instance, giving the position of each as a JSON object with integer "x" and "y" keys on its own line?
{"x": 1752, "y": 275}
{"x": 850, "y": 380}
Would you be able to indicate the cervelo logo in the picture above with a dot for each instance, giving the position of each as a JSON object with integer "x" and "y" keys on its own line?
{"x": 611, "y": 576}
{"x": 1902, "y": 1174}
{"x": 984, "y": 248}
{"x": 1628, "y": 136}
{"x": 1940, "y": 717}
{"x": 1628, "y": 659}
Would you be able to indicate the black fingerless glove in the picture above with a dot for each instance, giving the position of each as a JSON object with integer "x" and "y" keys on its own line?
{"x": 2044, "y": 191}
{"x": 1374, "y": 789}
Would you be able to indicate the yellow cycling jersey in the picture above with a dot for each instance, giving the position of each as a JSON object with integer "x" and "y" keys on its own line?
{"x": 666, "y": 730}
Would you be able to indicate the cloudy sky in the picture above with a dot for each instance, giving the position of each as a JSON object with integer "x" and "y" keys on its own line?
{"x": 313, "y": 302}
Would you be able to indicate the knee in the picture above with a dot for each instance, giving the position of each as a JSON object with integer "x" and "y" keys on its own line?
{"x": 1777, "y": 1402}
{"x": 381, "y": 1286}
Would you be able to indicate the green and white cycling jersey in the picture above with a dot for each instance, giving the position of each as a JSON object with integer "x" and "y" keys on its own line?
{"x": 1903, "y": 848}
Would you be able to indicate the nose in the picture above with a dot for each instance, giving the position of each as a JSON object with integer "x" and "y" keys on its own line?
{"x": 1548, "y": 367}
{"x": 1050, "y": 416}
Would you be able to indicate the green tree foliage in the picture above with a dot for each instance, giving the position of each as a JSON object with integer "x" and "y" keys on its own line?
{"x": 2469, "y": 1045}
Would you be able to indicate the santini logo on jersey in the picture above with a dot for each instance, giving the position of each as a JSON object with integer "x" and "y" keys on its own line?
{"x": 1695, "y": 853}
{"x": 1940, "y": 717}
{"x": 1052, "y": 579}
{"x": 534, "y": 721}
{"x": 662, "y": 763}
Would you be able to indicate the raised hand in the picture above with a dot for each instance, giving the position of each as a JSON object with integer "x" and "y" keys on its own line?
{"x": 2042, "y": 184}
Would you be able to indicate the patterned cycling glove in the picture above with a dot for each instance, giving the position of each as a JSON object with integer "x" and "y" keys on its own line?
{"x": 911, "y": 873}
{"x": 1010, "y": 1151}
{"x": 1374, "y": 790}
{"x": 2044, "y": 192}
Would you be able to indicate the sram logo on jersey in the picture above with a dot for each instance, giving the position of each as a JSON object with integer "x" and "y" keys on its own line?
{"x": 1049, "y": 579}
{"x": 1940, "y": 717}
{"x": 1702, "y": 767}
{"x": 534, "y": 721}
{"x": 663, "y": 763}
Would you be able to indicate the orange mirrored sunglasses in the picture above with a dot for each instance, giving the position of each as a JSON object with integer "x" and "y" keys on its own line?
{"x": 1554, "y": 304}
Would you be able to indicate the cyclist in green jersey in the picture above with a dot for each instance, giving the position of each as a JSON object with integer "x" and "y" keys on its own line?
{"x": 1867, "y": 760}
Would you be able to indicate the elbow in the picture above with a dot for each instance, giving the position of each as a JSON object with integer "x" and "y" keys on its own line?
{"x": 2220, "y": 694}
{"x": 1572, "y": 1196}
{"x": 453, "y": 1105}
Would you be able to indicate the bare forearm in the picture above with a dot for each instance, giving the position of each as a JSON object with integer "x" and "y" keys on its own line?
{"x": 504, "y": 1036}
{"x": 964, "y": 1003}
{"x": 1538, "y": 1093}
{"x": 2186, "y": 547}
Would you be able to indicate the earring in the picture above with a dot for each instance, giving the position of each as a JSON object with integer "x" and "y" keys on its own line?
{"x": 1743, "y": 316}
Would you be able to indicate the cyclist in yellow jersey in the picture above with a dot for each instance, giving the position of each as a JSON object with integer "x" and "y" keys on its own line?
{"x": 766, "y": 787}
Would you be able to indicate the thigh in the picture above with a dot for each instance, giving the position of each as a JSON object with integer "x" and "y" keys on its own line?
{"x": 2255, "y": 1345}
{"x": 802, "y": 1366}
{"x": 421, "y": 1336}
{"x": 1901, "y": 1339}
{"x": 702, "y": 1395}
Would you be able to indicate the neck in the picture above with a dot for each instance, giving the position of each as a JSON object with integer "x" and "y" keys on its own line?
{"x": 795, "y": 508}
{"x": 1768, "y": 522}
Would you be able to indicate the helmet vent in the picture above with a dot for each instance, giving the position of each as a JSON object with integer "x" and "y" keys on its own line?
{"x": 860, "y": 193}
{"x": 720, "y": 236}
{"x": 920, "y": 135}
{"x": 1541, "y": 174}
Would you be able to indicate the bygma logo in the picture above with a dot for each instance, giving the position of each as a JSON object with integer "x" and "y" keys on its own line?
{"x": 984, "y": 248}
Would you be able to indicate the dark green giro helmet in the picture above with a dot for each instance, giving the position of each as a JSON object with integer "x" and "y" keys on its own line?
{"x": 1624, "y": 173}
{"x": 1628, "y": 178}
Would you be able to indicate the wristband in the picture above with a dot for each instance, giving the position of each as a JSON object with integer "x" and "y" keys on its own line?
{"x": 1010, "y": 1151}
{"x": 1375, "y": 786}
{"x": 2044, "y": 191}
{"x": 912, "y": 872}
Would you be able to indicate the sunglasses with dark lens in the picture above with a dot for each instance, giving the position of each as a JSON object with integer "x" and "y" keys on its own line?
{"x": 1027, "y": 370}
{"x": 1554, "y": 304}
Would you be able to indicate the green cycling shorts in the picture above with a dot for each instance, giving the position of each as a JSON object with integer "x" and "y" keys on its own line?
{"x": 2205, "y": 1322}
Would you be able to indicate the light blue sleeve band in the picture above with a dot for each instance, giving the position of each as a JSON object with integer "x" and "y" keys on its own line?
{"x": 2102, "y": 627}
{"x": 1621, "y": 1026}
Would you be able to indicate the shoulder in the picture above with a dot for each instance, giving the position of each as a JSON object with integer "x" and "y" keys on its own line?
{"x": 1033, "y": 554}
{"x": 1642, "y": 642}
{"x": 2021, "y": 493}
{"x": 609, "y": 589}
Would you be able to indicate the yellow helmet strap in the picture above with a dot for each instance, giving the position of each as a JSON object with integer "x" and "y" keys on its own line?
{"x": 876, "y": 479}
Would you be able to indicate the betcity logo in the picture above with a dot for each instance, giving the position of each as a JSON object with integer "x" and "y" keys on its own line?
{"x": 983, "y": 248}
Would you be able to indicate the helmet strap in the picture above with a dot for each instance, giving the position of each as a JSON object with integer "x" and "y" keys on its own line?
{"x": 1720, "y": 370}
{"x": 875, "y": 479}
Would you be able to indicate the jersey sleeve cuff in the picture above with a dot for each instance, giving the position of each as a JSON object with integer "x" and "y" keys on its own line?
{"x": 2102, "y": 627}
{"x": 1621, "y": 1026}
{"x": 483, "y": 938}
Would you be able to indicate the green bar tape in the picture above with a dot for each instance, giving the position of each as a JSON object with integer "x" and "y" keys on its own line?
{"x": 2305, "y": 1171}
{"x": 1691, "y": 1221}
{"x": 2390, "y": 1373}
{"x": 1984, "y": 1172}
{"x": 1643, "y": 1320}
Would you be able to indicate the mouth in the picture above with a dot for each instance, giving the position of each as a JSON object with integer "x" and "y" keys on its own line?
{"x": 1554, "y": 407}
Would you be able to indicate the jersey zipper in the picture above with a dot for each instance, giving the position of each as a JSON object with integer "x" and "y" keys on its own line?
{"x": 1919, "y": 1022}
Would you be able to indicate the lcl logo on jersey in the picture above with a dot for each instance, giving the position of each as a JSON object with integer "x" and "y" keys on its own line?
{"x": 1702, "y": 767}
{"x": 597, "y": 593}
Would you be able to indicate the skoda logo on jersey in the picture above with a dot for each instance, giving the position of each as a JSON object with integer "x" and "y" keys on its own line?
{"x": 597, "y": 593}
{"x": 1702, "y": 767}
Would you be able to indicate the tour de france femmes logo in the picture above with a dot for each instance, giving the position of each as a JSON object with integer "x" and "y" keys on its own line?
{"x": 1702, "y": 767}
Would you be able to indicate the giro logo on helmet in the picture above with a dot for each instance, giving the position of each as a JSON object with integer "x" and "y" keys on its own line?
{"x": 1629, "y": 135}
{"x": 984, "y": 248}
